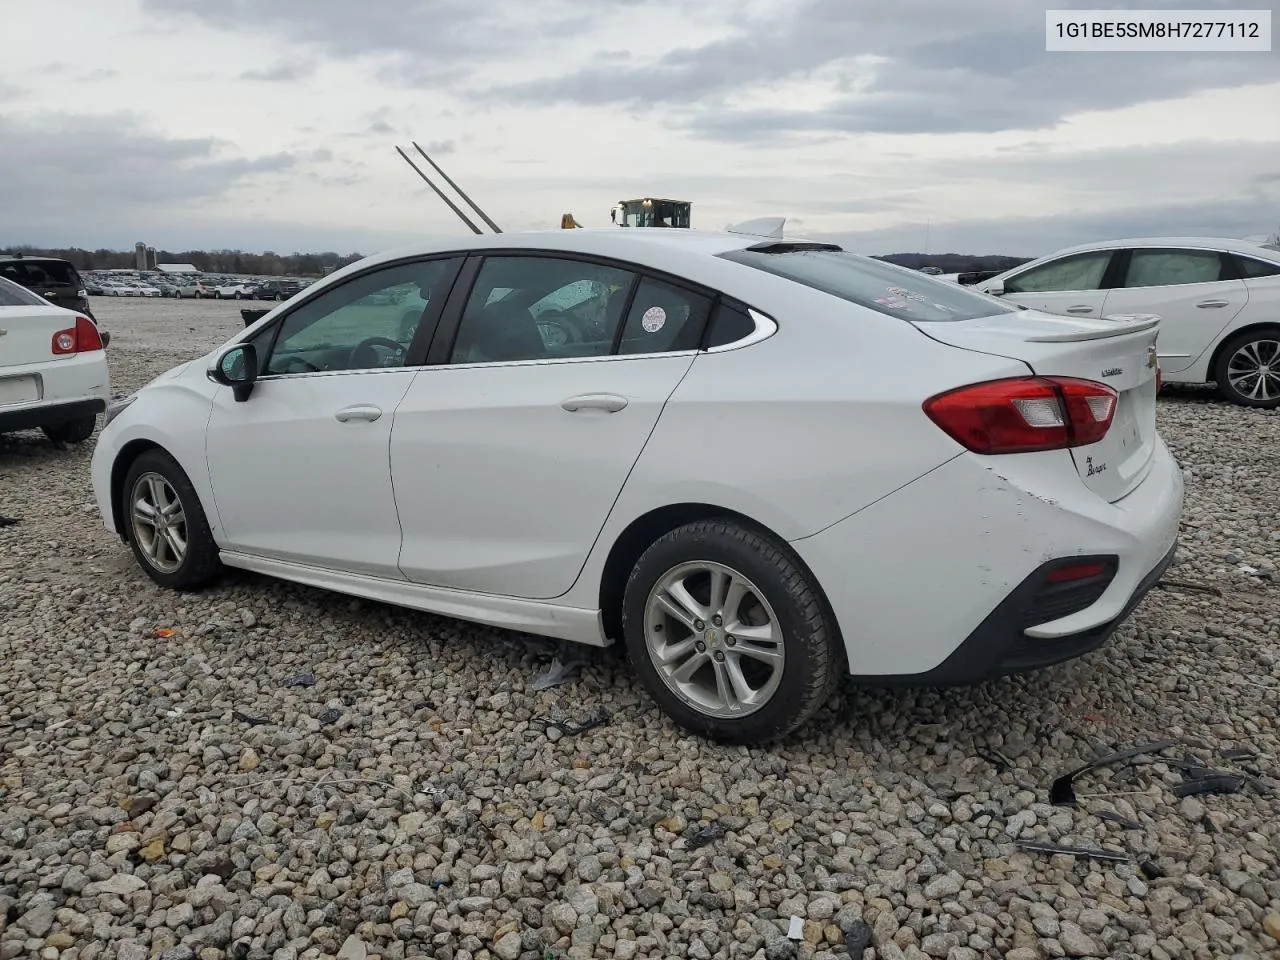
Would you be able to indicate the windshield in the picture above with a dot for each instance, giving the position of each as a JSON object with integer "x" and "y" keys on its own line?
{"x": 12, "y": 295}
{"x": 874, "y": 284}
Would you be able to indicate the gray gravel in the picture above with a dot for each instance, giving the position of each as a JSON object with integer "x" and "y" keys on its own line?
{"x": 139, "y": 818}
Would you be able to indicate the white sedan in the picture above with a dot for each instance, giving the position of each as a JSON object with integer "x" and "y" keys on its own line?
{"x": 746, "y": 459}
{"x": 236, "y": 290}
{"x": 1218, "y": 300}
{"x": 53, "y": 367}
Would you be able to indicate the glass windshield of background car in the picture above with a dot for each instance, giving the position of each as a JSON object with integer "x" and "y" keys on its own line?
{"x": 874, "y": 284}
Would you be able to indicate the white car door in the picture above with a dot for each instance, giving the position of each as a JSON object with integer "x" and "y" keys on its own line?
{"x": 1194, "y": 292}
{"x": 300, "y": 469}
{"x": 1072, "y": 285}
{"x": 508, "y": 456}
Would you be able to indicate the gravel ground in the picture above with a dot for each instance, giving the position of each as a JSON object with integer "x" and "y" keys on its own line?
{"x": 143, "y": 815}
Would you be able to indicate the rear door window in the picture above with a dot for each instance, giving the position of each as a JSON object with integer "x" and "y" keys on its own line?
{"x": 874, "y": 284}
{"x": 664, "y": 318}
{"x": 1166, "y": 268}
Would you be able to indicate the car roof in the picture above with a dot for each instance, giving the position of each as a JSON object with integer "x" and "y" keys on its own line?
{"x": 1229, "y": 244}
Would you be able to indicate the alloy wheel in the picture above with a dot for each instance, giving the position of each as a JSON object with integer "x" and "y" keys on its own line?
{"x": 1254, "y": 370}
{"x": 159, "y": 522}
{"x": 714, "y": 639}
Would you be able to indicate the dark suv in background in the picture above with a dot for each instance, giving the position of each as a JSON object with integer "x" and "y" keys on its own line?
{"x": 276, "y": 289}
{"x": 56, "y": 280}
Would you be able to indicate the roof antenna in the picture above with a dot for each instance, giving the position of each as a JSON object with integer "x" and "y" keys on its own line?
{"x": 435, "y": 166}
{"x": 452, "y": 206}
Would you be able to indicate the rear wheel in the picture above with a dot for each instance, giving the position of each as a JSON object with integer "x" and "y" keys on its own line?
{"x": 166, "y": 524}
{"x": 1248, "y": 369}
{"x": 729, "y": 633}
{"x": 72, "y": 431}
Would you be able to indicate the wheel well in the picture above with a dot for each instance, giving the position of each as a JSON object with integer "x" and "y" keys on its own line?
{"x": 124, "y": 460}
{"x": 1211, "y": 371}
{"x": 640, "y": 534}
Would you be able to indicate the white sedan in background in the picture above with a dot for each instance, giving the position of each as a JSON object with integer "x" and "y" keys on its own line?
{"x": 236, "y": 290}
{"x": 747, "y": 459}
{"x": 1218, "y": 300}
{"x": 53, "y": 367}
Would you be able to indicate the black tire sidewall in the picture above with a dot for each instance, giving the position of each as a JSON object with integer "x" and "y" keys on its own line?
{"x": 1220, "y": 368}
{"x": 201, "y": 560}
{"x": 808, "y": 667}
{"x": 73, "y": 431}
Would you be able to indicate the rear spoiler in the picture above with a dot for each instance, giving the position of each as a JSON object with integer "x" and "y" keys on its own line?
{"x": 1125, "y": 324}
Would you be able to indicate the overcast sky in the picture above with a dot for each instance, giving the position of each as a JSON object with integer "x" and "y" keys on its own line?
{"x": 272, "y": 124}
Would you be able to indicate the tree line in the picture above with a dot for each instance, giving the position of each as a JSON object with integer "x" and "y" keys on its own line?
{"x": 268, "y": 264}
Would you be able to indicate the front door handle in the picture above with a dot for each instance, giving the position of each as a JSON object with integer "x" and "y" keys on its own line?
{"x": 608, "y": 402}
{"x": 1079, "y": 309}
{"x": 361, "y": 411}
{"x": 1210, "y": 304}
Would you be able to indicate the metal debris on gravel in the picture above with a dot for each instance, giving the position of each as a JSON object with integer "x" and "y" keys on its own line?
{"x": 143, "y": 814}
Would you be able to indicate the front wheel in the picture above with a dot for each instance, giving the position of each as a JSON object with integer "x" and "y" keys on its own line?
{"x": 1248, "y": 369}
{"x": 729, "y": 633}
{"x": 166, "y": 524}
{"x": 72, "y": 431}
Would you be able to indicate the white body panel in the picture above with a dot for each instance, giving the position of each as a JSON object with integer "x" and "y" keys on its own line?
{"x": 475, "y": 494}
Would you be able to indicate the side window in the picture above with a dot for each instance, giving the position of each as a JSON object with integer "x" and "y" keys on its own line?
{"x": 664, "y": 318}
{"x": 365, "y": 323}
{"x": 1250, "y": 268}
{"x": 729, "y": 324}
{"x": 1082, "y": 271}
{"x": 541, "y": 308}
{"x": 1162, "y": 268}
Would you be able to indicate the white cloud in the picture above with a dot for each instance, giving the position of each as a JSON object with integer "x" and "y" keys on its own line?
{"x": 272, "y": 123}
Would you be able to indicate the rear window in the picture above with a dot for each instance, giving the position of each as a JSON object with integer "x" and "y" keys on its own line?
{"x": 1250, "y": 268}
{"x": 12, "y": 295}
{"x": 40, "y": 273}
{"x": 874, "y": 284}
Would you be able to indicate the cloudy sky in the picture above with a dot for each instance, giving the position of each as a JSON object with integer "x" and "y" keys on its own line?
{"x": 272, "y": 124}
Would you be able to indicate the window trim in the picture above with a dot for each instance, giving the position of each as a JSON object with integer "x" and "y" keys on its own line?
{"x": 451, "y": 321}
{"x": 415, "y": 356}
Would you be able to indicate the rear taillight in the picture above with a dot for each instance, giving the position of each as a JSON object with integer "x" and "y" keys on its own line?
{"x": 81, "y": 338}
{"x": 1025, "y": 414}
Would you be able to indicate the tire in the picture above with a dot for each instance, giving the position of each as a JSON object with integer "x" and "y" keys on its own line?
{"x": 279, "y": 296}
{"x": 71, "y": 431}
{"x": 199, "y": 563}
{"x": 1258, "y": 350}
{"x": 790, "y": 694}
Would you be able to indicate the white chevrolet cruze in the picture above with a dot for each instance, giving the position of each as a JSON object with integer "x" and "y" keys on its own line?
{"x": 758, "y": 463}
{"x": 53, "y": 367}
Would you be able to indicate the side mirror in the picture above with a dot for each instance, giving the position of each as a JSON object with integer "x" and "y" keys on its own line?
{"x": 995, "y": 289}
{"x": 237, "y": 368}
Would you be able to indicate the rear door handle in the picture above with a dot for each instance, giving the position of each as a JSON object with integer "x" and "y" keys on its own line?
{"x": 361, "y": 411}
{"x": 1209, "y": 304}
{"x": 1080, "y": 309}
{"x": 608, "y": 402}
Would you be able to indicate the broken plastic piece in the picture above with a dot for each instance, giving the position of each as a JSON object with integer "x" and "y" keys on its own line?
{"x": 306, "y": 679}
{"x": 1187, "y": 585}
{"x": 246, "y": 718}
{"x": 1062, "y": 793}
{"x": 706, "y": 835}
{"x": 1054, "y": 848}
{"x": 996, "y": 759}
{"x": 1150, "y": 870}
{"x": 559, "y": 672}
{"x": 857, "y": 938}
{"x": 1114, "y": 817}
{"x": 570, "y": 729}
{"x": 796, "y": 929}
{"x": 164, "y": 633}
{"x": 1239, "y": 753}
{"x": 330, "y": 716}
{"x": 1211, "y": 781}
{"x": 9, "y": 521}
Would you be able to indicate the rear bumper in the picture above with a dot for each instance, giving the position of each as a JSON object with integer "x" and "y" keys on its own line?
{"x": 1000, "y": 646}
{"x": 47, "y": 414}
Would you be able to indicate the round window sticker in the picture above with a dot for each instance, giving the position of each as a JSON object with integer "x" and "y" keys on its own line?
{"x": 653, "y": 320}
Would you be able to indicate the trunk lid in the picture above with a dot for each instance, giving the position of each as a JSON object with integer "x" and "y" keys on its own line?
{"x": 1117, "y": 350}
{"x": 28, "y": 334}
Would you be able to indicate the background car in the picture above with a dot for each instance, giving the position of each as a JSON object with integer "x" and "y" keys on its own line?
{"x": 234, "y": 290}
{"x": 1218, "y": 302}
{"x": 53, "y": 367}
{"x": 726, "y": 470}
{"x": 55, "y": 280}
